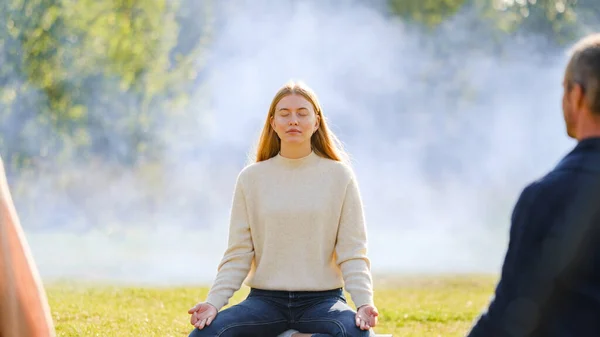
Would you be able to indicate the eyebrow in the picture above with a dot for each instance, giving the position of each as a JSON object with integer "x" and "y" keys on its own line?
{"x": 286, "y": 109}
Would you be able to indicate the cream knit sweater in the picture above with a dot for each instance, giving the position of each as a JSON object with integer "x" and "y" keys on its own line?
{"x": 296, "y": 224}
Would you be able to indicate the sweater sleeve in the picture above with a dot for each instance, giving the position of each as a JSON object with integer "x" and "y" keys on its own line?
{"x": 237, "y": 259}
{"x": 351, "y": 248}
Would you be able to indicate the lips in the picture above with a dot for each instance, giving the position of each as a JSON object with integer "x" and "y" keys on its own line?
{"x": 294, "y": 131}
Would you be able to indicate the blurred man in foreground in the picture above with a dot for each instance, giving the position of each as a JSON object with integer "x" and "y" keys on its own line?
{"x": 24, "y": 310}
{"x": 550, "y": 280}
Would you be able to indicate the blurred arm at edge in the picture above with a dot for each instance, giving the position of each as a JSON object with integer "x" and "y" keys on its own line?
{"x": 24, "y": 309}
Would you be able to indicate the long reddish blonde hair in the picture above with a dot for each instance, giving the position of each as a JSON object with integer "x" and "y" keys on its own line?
{"x": 323, "y": 142}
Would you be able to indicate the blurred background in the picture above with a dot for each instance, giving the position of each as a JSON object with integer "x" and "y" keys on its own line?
{"x": 124, "y": 123}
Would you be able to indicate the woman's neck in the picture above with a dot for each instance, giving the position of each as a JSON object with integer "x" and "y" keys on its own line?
{"x": 295, "y": 151}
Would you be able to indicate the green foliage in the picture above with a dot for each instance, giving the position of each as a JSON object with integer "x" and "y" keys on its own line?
{"x": 428, "y": 12}
{"x": 77, "y": 74}
{"x": 85, "y": 78}
{"x": 553, "y": 19}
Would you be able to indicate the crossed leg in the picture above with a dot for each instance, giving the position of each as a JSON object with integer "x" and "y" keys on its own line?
{"x": 331, "y": 317}
{"x": 252, "y": 317}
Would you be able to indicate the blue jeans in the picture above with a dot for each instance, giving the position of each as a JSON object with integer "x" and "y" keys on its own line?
{"x": 267, "y": 313}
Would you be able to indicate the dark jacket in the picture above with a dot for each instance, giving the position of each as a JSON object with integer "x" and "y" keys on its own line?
{"x": 550, "y": 280}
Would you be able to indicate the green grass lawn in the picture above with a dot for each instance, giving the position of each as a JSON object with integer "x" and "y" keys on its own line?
{"x": 409, "y": 306}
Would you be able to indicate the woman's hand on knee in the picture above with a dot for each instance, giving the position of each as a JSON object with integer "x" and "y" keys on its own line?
{"x": 366, "y": 317}
{"x": 202, "y": 314}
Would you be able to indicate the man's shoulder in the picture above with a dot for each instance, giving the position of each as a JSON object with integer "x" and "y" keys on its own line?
{"x": 581, "y": 160}
{"x": 559, "y": 188}
{"x": 572, "y": 172}
{"x": 550, "y": 185}
{"x": 575, "y": 168}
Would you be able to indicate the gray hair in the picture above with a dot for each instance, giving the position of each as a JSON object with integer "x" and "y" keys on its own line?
{"x": 584, "y": 69}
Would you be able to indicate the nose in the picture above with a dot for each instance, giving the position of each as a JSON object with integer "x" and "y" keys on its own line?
{"x": 293, "y": 120}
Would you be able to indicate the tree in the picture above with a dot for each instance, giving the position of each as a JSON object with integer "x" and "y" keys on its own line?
{"x": 428, "y": 12}
{"x": 554, "y": 20}
{"x": 85, "y": 77}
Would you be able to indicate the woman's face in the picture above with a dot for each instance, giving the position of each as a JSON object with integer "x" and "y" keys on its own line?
{"x": 294, "y": 119}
